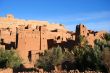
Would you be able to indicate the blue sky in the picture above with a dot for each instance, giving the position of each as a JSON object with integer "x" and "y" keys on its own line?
{"x": 95, "y": 14}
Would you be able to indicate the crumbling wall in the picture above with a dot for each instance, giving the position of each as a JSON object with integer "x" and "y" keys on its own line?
{"x": 28, "y": 41}
{"x": 90, "y": 35}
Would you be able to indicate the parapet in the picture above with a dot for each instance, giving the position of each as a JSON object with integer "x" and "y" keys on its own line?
{"x": 10, "y": 16}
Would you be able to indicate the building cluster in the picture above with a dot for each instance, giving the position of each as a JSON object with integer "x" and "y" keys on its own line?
{"x": 31, "y": 37}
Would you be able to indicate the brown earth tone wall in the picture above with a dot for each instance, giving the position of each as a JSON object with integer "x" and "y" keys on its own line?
{"x": 90, "y": 35}
{"x": 30, "y": 37}
{"x": 8, "y": 70}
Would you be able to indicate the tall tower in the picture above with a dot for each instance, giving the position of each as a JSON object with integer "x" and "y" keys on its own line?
{"x": 10, "y": 16}
{"x": 43, "y": 38}
{"x": 81, "y": 30}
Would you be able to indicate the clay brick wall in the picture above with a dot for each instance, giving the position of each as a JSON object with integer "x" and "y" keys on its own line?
{"x": 90, "y": 39}
{"x": 8, "y": 38}
{"x": 32, "y": 37}
{"x": 28, "y": 41}
{"x": 99, "y": 35}
{"x": 60, "y": 36}
{"x": 90, "y": 35}
{"x": 43, "y": 37}
{"x": 8, "y": 70}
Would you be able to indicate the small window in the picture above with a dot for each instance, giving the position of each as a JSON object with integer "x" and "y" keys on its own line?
{"x": 10, "y": 33}
{"x": 58, "y": 37}
{"x": 30, "y": 56}
{"x": 62, "y": 39}
{"x": 87, "y": 34}
{"x": 94, "y": 34}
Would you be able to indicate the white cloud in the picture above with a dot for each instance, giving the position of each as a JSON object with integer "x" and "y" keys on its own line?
{"x": 82, "y": 17}
{"x": 94, "y": 20}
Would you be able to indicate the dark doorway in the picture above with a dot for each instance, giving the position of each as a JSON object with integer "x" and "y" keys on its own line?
{"x": 30, "y": 56}
{"x": 51, "y": 43}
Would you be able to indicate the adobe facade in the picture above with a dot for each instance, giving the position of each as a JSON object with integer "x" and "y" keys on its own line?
{"x": 90, "y": 35}
{"x": 31, "y": 37}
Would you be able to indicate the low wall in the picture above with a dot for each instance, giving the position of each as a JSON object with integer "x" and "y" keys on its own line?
{"x": 71, "y": 71}
{"x": 8, "y": 70}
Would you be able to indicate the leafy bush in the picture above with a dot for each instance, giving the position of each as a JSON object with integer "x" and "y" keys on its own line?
{"x": 107, "y": 36}
{"x": 87, "y": 58}
{"x": 106, "y": 52}
{"x": 9, "y": 58}
{"x": 68, "y": 56}
{"x": 50, "y": 59}
{"x": 82, "y": 56}
{"x": 104, "y": 45}
{"x": 106, "y": 58}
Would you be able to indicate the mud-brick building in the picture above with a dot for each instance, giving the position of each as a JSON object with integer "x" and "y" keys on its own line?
{"x": 31, "y": 37}
{"x": 31, "y": 42}
{"x": 90, "y": 35}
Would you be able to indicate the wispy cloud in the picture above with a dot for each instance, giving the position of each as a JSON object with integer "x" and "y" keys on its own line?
{"x": 97, "y": 26}
{"x": 93, "y": 20}
{"x": 82, "y": 16}
{"x": 104, "y": 25}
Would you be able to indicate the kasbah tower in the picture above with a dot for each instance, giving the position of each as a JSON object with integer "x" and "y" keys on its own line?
{"x": 30, "y": 37}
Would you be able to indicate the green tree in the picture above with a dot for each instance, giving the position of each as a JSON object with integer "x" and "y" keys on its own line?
{"x": 81, "y": 38}
{"x": 87, "y": 58}
{"x": 82, "y": 41}
{"x": 106, "y": 52}
{"x": 9, "y": 58}
{"x": 106, "y": 58}
{"x": 68, "y": 56}
{"x": 50, "y": 59}
{"x": 107, "y": 36}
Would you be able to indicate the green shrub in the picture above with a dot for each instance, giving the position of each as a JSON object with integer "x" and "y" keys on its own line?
{"x": 107, "y": 36}
{"x": 9, "y": 58}
{"x": 68, "y": 56}
{"x": 50, "y": 59}
{"x": 87, "y": 58}
{"x": 106, "y": 58}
